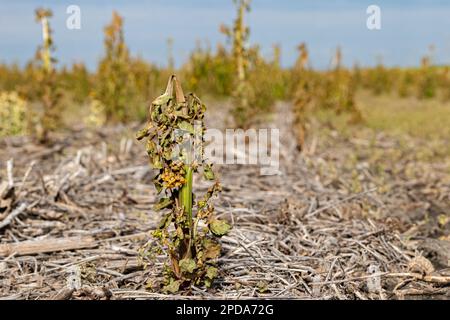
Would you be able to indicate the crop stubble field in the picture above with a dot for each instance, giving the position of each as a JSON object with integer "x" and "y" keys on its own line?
{"x": 328, "y": 226}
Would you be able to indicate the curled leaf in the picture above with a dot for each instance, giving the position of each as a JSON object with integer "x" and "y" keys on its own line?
{"x": 208, "y": 173}
{"x": 180, "y": 233}
{"x": 186, "y": 126}
{"x": 172, "y": 287}
{"x": 208, "y": 283}
{"x": 219, "y": 227}
{"x": 158, "y": 185}
{"x": 162, "y": 203}
{"x": 162, "y": 100}
{"x": 156, "y": 162}
{"x": 142, "y": 134}
{"x": 211, "y": 272}
{"x": 165, "y": 221}
{"x": 211, "y": 249}
{"x": 187, "y": 265}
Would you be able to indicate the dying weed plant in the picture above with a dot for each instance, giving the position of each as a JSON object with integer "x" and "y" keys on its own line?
{"x": 427, "y": 82}
{"x": 405, "y": 83}
{"x": 238, "y": 35}
{"x": 77, "y": 82}
{"x": 47, "y": 90}
{"x": 267, "y": 83}
{"x": 189, "y": 229}
{"x": 208, "y": 72}
{"x": 115, "y": 82}
{"x": 380, "y": 79}
{"x": 303, "y": 95}
{"x": 338, "y": 91}
{"x": 331, "y": 91}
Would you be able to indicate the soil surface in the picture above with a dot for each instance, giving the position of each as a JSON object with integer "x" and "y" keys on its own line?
{"x": 354, "y": 216}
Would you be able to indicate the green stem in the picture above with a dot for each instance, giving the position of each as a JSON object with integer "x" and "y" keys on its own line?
{"x": 186, "y": 203}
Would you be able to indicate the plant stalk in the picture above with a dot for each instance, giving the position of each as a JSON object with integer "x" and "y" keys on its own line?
{"x": 186, "y": 203}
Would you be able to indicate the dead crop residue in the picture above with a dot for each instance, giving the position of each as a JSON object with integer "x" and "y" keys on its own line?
{"x": 363, "y": 217}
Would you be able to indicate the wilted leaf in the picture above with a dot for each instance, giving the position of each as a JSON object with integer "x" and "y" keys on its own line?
{"x": 208, "y": 282}
{"x": 163, "y": 138}
{"x": 219, "y": 227}
{"x": 211, "y": 272}
{"x": 161, "y": 100}
{"x": 262, "y": 286}
{"x": 167, "y": 154}
{"x": 156, "y": 162}
{"x": 201, "y": 204}
{"x": 164, "y": 221}
{"x": 181, "y": 114}
{"x": 172, "y": 287}
{"x": 151, "y": 147}
{"x": 186, "y": 126}
{"x": 158, "y": 185}
{"x": 162, "y": 203}
{"x": 208, "y": 173}
{"x": 187, "y": 265}
{"x": 211, "y": 249}
{"x": 180, "y": 233}
{"x": 142, "y": 134}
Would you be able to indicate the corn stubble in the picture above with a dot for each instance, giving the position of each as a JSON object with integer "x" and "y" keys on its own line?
{"x": 188, "y": 231}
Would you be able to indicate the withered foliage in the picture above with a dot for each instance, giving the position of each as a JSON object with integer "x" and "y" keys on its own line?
{"x": 333, "y": 90}
{"x": 115, "y": 82}
{"x": 13, "y": 111}
{"x": 47, "y": 90}
{"x": 238, "y": 36}
{"x": 339, "y": 90}
{"x": 428, "y": 80}
{"x": 174, "y": 135}
{"x": 303, "y": 95}
{"x": 208, "y": 72}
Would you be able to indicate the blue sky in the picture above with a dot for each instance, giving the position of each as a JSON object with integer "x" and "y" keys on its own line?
{"x": 408, "y": 28}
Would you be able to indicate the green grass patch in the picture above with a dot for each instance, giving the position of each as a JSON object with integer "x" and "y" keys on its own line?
{"x": 429, "y": 119}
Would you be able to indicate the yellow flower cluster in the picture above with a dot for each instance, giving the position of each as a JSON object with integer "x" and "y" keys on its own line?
{"x": 173, "y": 178}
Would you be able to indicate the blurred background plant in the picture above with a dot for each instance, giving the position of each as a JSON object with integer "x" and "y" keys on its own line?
{"x": 119, "y": 89}
{"x": 46, "y": 85}
{"x": 428, "y": 79}
{"x": 13, "y": 111}
{"x": 209, "y": 73}
{"x": 243, "y": 111}
{"x": 115, "y": 83}
{"x": 303, "y": 96}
